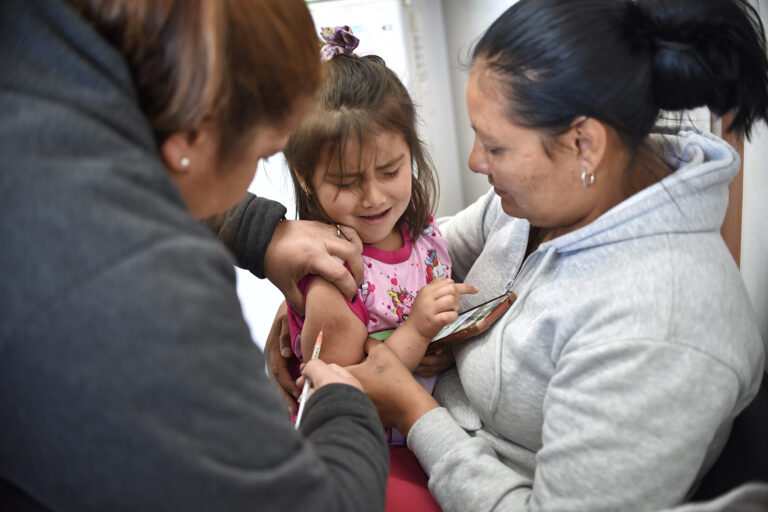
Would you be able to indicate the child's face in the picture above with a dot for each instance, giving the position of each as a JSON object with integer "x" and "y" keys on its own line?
{"x": 370, "y": 199}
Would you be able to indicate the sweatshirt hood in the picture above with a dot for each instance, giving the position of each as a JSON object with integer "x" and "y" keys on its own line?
{"x": 691, "y": 199}
{"x": 73, "y": 95}
{"x": 82, "y": 176}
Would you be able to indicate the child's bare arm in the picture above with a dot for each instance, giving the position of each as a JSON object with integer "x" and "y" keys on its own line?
{"x": 344, "y": 334}
{"x": 437, "y": 304}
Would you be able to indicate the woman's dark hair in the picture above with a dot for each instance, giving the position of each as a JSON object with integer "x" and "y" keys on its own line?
{"x": 621, "y": 61}
{"x": 360, "y": 98}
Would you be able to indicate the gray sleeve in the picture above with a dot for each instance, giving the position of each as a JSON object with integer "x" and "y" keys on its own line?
{"x": 465, "y": 235}
{"x": 613, "y": 436}
{"x": 345, "y": 431}
{"x": 464, "y": 471}
{"x": 247, "y": 229}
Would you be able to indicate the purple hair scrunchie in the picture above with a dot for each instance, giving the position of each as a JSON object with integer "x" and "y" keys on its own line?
{"x": 338, "y": 41}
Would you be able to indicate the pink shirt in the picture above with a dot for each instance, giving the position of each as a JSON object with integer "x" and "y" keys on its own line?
{"x": 391, "y": 280}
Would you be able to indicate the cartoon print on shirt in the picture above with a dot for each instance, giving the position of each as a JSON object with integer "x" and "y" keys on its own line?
{"x": 435, "y": 269}
{"x": 402, "y": 302}
{"x": 366, "y": 288}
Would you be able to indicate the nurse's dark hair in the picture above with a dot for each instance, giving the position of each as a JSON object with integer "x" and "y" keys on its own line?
{"x": 241, "y": 62}
{"x": 360, "y": 98}
{"x": 623, "y": 61}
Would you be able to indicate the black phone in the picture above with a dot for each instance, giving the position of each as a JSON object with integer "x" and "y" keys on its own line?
{"x": 472, "y": 322}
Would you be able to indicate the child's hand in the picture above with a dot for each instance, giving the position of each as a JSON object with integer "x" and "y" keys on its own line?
{"x": 437, "y": 304}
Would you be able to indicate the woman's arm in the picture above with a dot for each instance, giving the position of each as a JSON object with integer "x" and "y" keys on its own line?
{"x": 630, "y": 429}
{"x": 398, "y": 397}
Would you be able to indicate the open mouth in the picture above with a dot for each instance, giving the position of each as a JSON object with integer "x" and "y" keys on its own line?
{"x": 378, "y": 216}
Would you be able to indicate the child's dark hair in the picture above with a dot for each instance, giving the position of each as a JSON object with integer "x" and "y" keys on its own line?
{"x": 360, "y": 98}
{"x": 621, "y": 61}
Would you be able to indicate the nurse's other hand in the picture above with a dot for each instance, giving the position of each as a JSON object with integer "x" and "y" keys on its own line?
{"x": 278, "y": 353}
{"x": 299, "y": 248}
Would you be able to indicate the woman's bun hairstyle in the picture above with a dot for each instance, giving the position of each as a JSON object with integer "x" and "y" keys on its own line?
{"x": 704, "y": 53}
{"x": 622, "y": 61}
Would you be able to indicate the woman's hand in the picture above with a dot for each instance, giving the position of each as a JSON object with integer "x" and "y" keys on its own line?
{"x": 432, "y": 364}
{"x": 277, "y": 352}
{"x": 399, "y": 398}
{"x": 299, "y": 248}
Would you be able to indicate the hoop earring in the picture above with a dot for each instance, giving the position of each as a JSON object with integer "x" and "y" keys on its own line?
{"x": 184, "y": 162}
{"x": 587, "y": 179}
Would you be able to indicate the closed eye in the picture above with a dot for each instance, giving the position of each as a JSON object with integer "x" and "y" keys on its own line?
{"x": 342, "y": 181}
{"x": 347, "y": 185}
{"x": 494, "y": 150}
{"x": 391, "y": 174}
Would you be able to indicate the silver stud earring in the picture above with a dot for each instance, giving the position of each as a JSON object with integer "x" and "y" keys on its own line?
{"x": 587, "y": 179}
{"x": 184, "y": 162}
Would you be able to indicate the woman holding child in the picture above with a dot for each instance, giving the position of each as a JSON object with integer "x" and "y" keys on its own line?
{"x": 612, "y": 382}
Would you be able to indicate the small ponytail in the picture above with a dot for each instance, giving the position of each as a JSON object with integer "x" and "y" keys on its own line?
{"x": 706, "y": 53}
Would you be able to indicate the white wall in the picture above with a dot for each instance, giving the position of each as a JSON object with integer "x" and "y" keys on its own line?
{"x": 754, "y": 229}
{"x": 433, "y": 94}
{"x": 754, "y": 234}
{"x": 465, "y": 21}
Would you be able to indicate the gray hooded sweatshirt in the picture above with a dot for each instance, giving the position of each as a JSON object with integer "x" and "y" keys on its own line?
{"x": 612, "y": 382}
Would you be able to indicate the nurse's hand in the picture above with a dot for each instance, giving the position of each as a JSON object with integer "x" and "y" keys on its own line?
{"x": 299, "y": 248}
{"x": 399, "y": 398}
